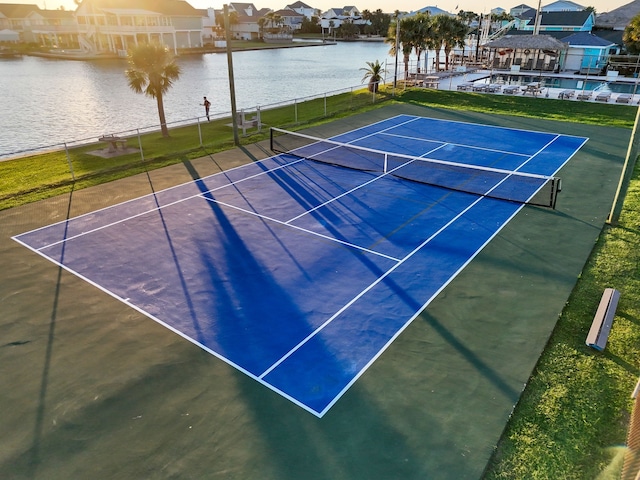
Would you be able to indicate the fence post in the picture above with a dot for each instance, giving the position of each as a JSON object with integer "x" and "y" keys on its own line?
{"x": 66, "y": 149}
{"x": 325, "y": 104}
{"x": 200, "y": 132}
{"x": 295, "y": 109}
{"x": 140, "y": 145}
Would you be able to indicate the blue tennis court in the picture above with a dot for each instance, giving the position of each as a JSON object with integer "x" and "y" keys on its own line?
{"x": 301, "y": 273}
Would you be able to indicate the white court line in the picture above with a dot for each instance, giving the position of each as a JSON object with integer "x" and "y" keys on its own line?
{"x": 390, "y": 172}
{"x": 393, "y": 268}
{"x": 373, "y": 284}
{"x": 153, "y": 194}
{"x": 280, "y": 222}
{"x": 458, "y": 145}
{"x": 158, "y": 208}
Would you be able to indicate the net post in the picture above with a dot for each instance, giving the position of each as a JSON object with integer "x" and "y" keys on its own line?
{"x": 386, "y": 163}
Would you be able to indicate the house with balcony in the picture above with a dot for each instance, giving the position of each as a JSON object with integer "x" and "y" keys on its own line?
{"x": 114, "y": 26}
{"x": 563, "y": 6}
{"x": 14, "y": 17}
{"x": 52, "y": 28}
{"x": 558, "y": 21}
{"x": 333, "y": 18}
{"x": 291, "y": 20}
{"x": 246, "y": 26}
{"x": 588, "y": 53}
{"x": 303, "y": 9}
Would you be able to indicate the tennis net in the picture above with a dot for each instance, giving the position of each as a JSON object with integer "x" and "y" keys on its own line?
{"x": 508, "y": 185}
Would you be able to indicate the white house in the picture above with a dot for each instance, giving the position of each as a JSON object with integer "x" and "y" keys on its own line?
{"x": 117, "y": 25}
{"x": 563, "y": 6}
{"x": 247, "y": 27}
{"x": 303, "y": 9}
{"x": 292, "y": 20}
{"x": 334, "y": 17}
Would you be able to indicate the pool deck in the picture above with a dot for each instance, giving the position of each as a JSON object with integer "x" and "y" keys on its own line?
{"x": 505, "y": 78}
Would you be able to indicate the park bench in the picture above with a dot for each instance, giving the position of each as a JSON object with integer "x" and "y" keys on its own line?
{"x": 603, "y": 320}
{"x": 113, "y": 142}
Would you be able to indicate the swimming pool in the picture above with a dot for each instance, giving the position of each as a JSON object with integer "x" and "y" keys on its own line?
{"x": 569, "y": 83}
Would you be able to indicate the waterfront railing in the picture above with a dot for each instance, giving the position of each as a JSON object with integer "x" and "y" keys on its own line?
{"x": 116, "y": 154}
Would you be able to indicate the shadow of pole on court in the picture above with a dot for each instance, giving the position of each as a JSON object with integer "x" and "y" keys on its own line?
{"x": 44, "y": 383}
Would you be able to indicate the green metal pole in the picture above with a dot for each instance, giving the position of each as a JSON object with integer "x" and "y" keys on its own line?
{"x": 625, "y": 176}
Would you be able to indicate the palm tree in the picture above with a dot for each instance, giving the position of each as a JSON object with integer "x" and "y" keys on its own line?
{"x": 442, "y": 25}
{"x": 456, "y": 35}
{"x": 374, "y": 74}
{"x": 153, "y": 71}
{"x": 419, "y": 31}
{"x": 404, "y": 41}
{"x": 233, "y": 20}
{"x": 631, "y": 35}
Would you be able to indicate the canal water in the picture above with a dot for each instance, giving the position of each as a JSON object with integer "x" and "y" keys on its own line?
{"x": 45, "y": 102}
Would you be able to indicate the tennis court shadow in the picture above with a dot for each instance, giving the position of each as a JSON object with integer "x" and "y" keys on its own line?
{"x": 111, "y": 421}
{"x": 369, "y": 433}
{"x": 304, "y": 435}
{"x": 34, "y": 454}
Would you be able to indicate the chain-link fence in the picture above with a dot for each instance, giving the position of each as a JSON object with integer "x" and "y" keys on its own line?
{"x": 113, "y": 154}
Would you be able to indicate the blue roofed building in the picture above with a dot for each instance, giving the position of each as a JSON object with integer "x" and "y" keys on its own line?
{"x": 588, "y": 53}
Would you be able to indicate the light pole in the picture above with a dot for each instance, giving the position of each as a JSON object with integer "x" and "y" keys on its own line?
{"x": 395, "y": 75}
{"x": 232, "y": 87}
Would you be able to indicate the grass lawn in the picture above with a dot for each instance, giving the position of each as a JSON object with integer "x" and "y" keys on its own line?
{"x": 575, "y": 408}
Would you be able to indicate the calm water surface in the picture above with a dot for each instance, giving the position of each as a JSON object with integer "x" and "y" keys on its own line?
{"x": 45, "y": 102}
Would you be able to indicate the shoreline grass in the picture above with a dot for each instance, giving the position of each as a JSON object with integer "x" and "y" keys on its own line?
{"x": 574, "y": 410}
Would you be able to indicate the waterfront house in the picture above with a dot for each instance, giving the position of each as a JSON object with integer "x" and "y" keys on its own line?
{"x": 432, "y": 11}
{"x": 116, "y": 25}
{"x": 247, "y": 27}
{"x": 334, "y": 17}
{"x": 303, "y": 9}
{"x": 519, "y": 10}
{"x": 15, "y": 17}
{"x": 290, "y": 20}
{"x": 563, "y": 6}
{"x": 588, "y": 53}
{"x": 558, "y": 21}
{"x": 52, "y": 28}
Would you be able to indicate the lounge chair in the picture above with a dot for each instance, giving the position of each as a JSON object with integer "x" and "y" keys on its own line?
{"x": 465, "y": 86}
{"x": 480, "y": 87}
{"x": 510, "y": 90}
{"x": 584, "y": 95}
{"x": 603, "y": 97}
{"x": 566, "y": 94}
{"x": 494, "y": 88}
{"x": 533, "y": 88}
{"x": 624, "y": 98}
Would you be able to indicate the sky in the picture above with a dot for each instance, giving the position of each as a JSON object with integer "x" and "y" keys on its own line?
{"x": 454, "y": 6}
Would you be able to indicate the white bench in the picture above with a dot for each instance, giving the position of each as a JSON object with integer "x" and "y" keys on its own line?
{"x": 603, "y": 320}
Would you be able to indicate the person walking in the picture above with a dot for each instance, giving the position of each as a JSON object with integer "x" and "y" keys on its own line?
{"x": 206, "y": 104}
